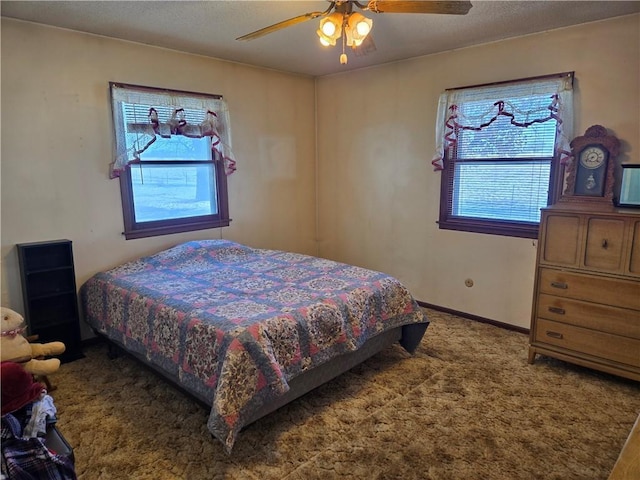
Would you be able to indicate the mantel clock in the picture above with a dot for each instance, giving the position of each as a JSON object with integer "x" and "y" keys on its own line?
{"x": 590, "y": 175}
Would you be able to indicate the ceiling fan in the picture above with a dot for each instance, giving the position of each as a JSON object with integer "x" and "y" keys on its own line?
{"x": 341, "y": 20}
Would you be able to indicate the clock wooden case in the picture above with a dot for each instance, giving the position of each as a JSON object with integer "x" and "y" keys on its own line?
{"x": 590, "y": 175}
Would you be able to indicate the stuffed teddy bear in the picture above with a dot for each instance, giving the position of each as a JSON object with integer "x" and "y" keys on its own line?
{"x": 15, "y": 348}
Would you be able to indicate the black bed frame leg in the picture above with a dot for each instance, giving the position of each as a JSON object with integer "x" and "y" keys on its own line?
{"x": 412, "y": 335}
{"x": 112, "y": 351}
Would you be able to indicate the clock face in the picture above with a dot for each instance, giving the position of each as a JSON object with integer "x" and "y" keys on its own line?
{"x": 592, "y": 157}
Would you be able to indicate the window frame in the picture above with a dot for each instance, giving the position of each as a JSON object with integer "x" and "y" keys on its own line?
{"x": 448, "y": 221}
{"x": 134, "y": 229}
{"x": 493, "y": 226}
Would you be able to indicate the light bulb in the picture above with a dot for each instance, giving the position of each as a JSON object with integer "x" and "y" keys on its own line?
{"x": 328, "y": 28}
{"x": 363, "y": 28}
{"x": 331, "y": 26}
{"x": 359, "y": 26}
{"x": 326, "y": 40}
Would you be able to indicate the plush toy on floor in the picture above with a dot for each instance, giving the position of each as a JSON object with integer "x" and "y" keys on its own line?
{"x": 14, "y": 346}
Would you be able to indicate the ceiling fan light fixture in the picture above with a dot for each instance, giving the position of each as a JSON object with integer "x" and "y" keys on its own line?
{"x": 359, "y": 25}
{"x": 357, "y": 28}
{"x": 325, "y": 40}
{"x": 331, "y": 26}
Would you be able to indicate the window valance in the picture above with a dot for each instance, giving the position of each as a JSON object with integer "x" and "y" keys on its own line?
{"x": 523, "y": 103}
{"x": 142, "y": 114}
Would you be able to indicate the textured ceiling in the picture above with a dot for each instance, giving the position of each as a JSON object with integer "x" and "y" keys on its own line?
{"x": 210, "y": 27}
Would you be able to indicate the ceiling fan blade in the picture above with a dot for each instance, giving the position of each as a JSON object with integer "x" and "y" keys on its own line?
{"x": 419, "y": 6}
{"x": 284, "y": 24}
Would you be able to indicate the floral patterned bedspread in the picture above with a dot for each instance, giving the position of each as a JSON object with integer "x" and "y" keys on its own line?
{"x": 234, "y": 324}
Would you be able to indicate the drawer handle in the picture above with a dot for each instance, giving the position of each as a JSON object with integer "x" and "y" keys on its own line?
{"x": 559, "y": 311}
{"x": 605, "y": 244}
{"x": 554, "y": 334}
{"x": 561, "y": 285}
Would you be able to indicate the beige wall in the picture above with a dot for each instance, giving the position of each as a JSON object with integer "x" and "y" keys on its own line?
{"x": 57, "y": 144}
{"x": 379, "y": 198}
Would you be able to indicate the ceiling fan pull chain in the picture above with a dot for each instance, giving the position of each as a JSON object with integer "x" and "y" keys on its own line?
{"x": 343, "y": 57}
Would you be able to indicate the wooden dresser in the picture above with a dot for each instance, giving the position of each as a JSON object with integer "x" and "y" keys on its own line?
{"x": 586, "y": 305}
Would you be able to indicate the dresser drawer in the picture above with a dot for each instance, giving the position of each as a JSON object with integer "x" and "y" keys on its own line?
{"x": 619, "y": 321}
{"x": 604, "y": 245}
{"x": 603, "y": 290}
{"x": 561, "y": 239}
{"x": 634, "y": 257}
{"x": 583, "y": 340}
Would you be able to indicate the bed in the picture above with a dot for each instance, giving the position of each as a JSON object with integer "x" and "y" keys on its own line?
{"x": 247, "y": 330}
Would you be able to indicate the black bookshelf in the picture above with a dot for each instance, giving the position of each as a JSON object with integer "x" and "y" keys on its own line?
{"x": 49, "y": 292}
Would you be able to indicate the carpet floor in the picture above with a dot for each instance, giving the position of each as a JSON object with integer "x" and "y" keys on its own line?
{"x": 466, "y": 406}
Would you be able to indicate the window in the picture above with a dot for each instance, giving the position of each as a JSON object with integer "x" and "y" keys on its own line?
{"x": 172, "y": 158}
{"x": 500, "y": 151}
